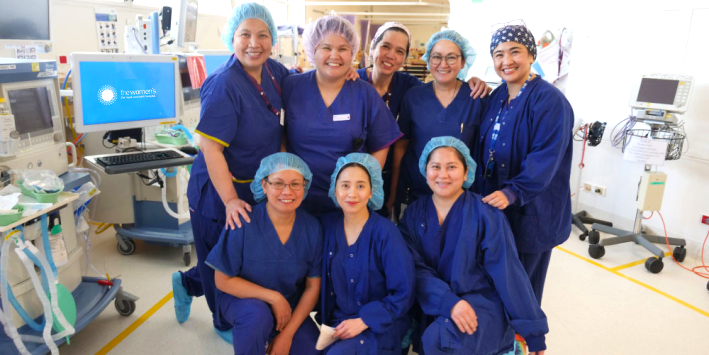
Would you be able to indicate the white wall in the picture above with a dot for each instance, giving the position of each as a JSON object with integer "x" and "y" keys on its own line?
{"x": 613, "y": 42}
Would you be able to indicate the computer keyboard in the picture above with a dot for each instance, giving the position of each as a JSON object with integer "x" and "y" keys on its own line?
{"x": 124, "y": 163}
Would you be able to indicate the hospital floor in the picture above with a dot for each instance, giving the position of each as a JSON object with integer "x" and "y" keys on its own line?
{"x": 607, "y": 306}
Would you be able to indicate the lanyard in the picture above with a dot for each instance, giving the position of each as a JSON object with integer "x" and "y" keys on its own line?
{"x": 496, "y": 132}
{"x": 260, "y": 89}
{"x": 388, "y": 94}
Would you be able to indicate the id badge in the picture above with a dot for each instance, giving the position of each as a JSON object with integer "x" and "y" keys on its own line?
{"x": 342, "y": 117}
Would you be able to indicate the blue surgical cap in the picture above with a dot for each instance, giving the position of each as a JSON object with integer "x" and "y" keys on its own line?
{"x": 275, "y": 163}
{"x": 245, "y": 12}
{"x": 375, "y": 175}
{"x": 457, "y": 144}
{"x": 466, "y": 50}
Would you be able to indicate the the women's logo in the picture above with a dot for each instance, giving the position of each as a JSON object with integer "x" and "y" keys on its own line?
{"x": 107, "y": 95}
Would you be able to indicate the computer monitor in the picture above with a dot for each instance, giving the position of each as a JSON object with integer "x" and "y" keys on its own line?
{"x": 122, "y": 91}
{"x": 184, "y": 22}
{"x": 26, "y": 22}
{"x": 214, "y": 58}
{"x": 666, "y": 92}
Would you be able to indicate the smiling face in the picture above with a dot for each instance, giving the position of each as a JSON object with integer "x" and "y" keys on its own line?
{"x": 252, "y": 43}
{"x": 445, "y": 172}
{"x": 285, "y": 200}
{"x": 333, "y": 57}
{"x": 513, "y": 62}
{"x": 389, "y": 54}
{"x": 353, "y": 189}
{"x": 445, "y": 72}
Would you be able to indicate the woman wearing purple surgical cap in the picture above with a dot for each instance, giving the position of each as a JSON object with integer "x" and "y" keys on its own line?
{"x": 524, "y": 153}
{"x": 387, "y": 53}
{"x": 328, "y": 117}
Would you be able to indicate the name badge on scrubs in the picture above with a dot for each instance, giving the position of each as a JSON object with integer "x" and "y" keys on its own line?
{"x": 283, "y": 116}
{"x": 343, "y": 117}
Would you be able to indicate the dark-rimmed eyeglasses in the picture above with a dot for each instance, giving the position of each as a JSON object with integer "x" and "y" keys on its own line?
{"x": 451, "y": 59}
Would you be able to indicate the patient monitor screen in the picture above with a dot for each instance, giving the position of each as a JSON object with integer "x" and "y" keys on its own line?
{"x": 31, "y": 108}
{"x": 658, "y": 91}
{"x": 113, "y": 92}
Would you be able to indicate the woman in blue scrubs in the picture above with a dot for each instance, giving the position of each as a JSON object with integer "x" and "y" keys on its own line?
{"x": 268, "y": 271}
{"x": 439, "y": 108}
{"x": 387, "y": 53}
{"x": 368, "y": 285}
{"x": 469, "y": 281}
{"x": 328, "y": 117}
{"x": 238, "y": 127}
{"x": 525, "y": 152}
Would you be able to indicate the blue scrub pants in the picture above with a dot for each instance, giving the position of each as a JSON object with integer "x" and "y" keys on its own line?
{"x": 199, "y": 280}
{"x": 443, "y": 337}
{"x": 536, "y": 266}
{"x": 254, "y": 326}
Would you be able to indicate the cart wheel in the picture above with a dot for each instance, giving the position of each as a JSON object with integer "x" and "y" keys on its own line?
{"x": 596, "y": 251}
{"x": 707, "y": 286}
{"x": 583, "y": 236}
{"x": 679, "y": 253}
{"x": 186, "y": 258}
{"x": 594, "y": 237}
{"x": 125, "y": 307}
{"x": 129, "y": 247}
{"x": 654, "y": 264}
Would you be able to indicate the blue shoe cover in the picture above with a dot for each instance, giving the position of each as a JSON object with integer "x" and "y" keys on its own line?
{"x": 183, "y": 301}
{"x": 227, "y": 335}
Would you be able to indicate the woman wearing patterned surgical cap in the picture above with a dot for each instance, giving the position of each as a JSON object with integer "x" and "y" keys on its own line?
{"x": 328, "y": 117}
{"x": 524, "y": 153}
{"x": 387, "y": 53}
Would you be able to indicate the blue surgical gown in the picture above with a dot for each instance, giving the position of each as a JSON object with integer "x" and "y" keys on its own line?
{"x": 532, "y": 163}
{"x": 422, "y": 118}
{"x": 320, "y": 134}
{"x": 472, "y": 257}
{"x": 400, "y": 83}
{"x": 234, "y": 115}
{"x": 255, "y": 253}
{"x": 372, "y": 279}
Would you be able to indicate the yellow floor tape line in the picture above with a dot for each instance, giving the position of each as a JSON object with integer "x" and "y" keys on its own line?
{"x": 634, "y": 263}
{"x": 612, "y": 270}
{"x": 131, "y": 328}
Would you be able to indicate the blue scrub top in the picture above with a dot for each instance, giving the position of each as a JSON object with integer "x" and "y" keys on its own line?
{"x": 234, "y": 115}
{"x": 255, "y": 253}
{"x": 532, "y": 163}
{"x": 422, "y": 118}
{"x": 472, "y": 257}
{"x": 400, "y": 83}
{"x": 320, "y": 135}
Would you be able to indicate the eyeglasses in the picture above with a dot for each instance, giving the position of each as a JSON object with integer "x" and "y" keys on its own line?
{"x": 451, "y": 59}
{"x": 280, "y": 185}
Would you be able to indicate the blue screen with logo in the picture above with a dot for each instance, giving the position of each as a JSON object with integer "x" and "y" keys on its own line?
{"x": 214, "y": 61}
{"x": 113, "y": 92}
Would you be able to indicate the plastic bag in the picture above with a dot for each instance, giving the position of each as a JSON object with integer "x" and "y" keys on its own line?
{"x": 42, "y": 181}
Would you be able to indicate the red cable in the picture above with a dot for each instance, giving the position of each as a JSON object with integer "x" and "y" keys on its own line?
{"x": 651, "y": 214}
{"x": 583, "y": 152}
{"x": 694, "y": 269}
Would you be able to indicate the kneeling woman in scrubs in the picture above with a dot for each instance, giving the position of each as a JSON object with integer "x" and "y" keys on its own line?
{"x": 469, "y": 281}
{"x": 328, "y": 117}
{"x": 368, "y": 283}
{"x": 439, "y": 108}
{"x": 268, "y": 271}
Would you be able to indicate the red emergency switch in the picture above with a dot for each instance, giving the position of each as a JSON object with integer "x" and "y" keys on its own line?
{"x": 62, "y": 59}
{"x": 145, "y": 26}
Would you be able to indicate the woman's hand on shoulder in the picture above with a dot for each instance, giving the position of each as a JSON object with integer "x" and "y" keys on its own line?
{"x": 351, "y": 74}
{"x": 478, "y": 88}
{"x": 234, "y": 208}
{"x": 497, "y": 199}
